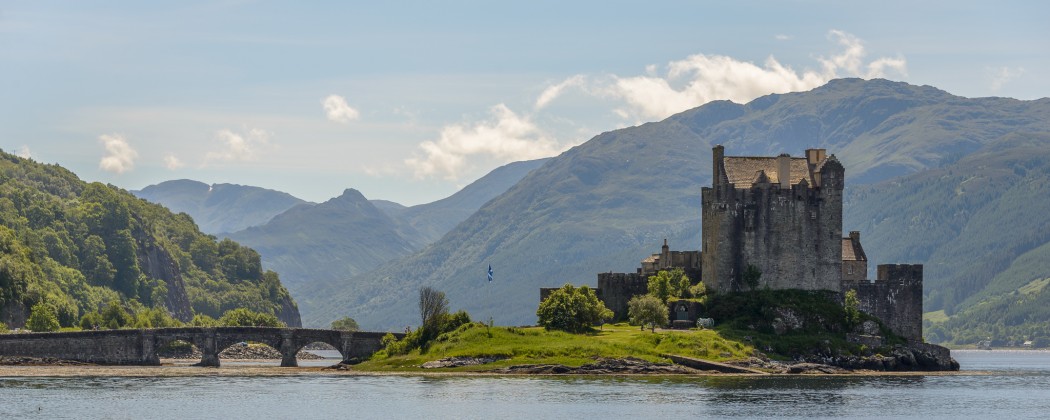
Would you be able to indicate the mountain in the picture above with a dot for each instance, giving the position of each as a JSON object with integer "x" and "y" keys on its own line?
{"x": 607, "y": 203}
{"x": 219, "y": 208}
{"x": 76, "y": 246}
{"x": 340, "y": 237}
{"x": 433, "y": 220}
{"x": 349, "y": 234}
{"x": 981, "y": 227}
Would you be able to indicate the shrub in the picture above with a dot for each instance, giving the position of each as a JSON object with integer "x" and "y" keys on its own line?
{"x": 243, "y": 317}
{"x": 42, "y": 318}
{"x": 345, "y": 324}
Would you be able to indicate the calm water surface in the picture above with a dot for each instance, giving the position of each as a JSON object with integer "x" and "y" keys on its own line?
{"x": 1018, "y": 386}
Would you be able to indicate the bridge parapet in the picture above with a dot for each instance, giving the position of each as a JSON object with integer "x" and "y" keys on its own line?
{"x": 139, "y": 347}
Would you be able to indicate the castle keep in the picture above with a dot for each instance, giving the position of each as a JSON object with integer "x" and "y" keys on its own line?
{"x": 781, "y": 217}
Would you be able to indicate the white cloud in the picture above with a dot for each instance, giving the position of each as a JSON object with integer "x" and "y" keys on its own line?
{"x": 782, "y": 37}
{"x": 23, "y": 152}
{"x": 552, "y": 92}
{"x": 238, "y": 146}
{"x": 701, "y": 78}
{"x": 336, "y": 109}
{"x": 172, "y": 162}
{"x": 120, "y": 157}
{"x": 1004, "y": 75}
{"x": 506, "y": 136}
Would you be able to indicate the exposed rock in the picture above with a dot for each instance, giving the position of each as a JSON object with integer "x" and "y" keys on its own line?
{"x": 38, "y": 361}
{"x": 602, "y": 366}
{"x": 786, "y": 320}
{"x": 459, "y": 361}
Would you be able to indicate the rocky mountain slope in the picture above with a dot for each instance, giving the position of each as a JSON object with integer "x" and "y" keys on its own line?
{"x": 219, "y": 208}
{"x": 605, "y": 204}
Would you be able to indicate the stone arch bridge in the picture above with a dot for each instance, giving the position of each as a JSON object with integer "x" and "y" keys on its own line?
{"x": 139, "y": 347}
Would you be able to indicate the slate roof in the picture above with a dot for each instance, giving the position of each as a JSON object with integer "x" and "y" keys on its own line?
{"x": 743, "y": 171}
{"x": 852, "y": 251}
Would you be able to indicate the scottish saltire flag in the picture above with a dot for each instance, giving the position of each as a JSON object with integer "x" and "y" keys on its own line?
{"x": 490, "y": 272}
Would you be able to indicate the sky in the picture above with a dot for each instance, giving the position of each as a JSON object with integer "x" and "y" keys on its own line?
{"x": 411, "y": 101}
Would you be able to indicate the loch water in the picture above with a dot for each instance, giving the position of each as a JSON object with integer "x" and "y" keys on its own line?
{"x": 1001, "y": 384}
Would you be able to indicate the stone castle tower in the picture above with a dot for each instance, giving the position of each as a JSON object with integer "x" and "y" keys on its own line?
{"x": 782, "y": 215}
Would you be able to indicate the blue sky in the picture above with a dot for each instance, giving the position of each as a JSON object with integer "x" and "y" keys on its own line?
{"x": 410, "y": 101}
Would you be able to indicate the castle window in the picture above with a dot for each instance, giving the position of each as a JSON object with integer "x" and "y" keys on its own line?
{"x": 849, "y": 269}
{"x": 813, "y": 215}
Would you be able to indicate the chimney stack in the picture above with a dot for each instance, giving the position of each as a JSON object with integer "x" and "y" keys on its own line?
{"x": 784, "y": 170}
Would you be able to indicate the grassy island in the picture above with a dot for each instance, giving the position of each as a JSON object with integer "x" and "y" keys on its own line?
{"x": 775, "y": 325}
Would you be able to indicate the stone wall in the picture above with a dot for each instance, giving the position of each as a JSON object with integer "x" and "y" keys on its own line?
{"x": 139, "y": 347}
{"x": 895, "y": 298}
{"x": 618, "y": 288}
{"x": 791, "y": 233}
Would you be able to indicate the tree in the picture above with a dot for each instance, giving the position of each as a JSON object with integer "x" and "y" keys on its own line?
{"x": 432, "y": 305}
{"x": 572, "y": 309}
{"x": 852, "y": 307}
{"x": 114, "y": 316}
{"x": 647, "y": 310}
{"x": 345, "y": 324}
{"x": 669, "y": 284}
{"x": 42, "y": 318}
{"x": 243, "y": 317}
{"x": 660, "y": 286}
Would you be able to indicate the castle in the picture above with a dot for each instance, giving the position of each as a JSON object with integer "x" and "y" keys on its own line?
{"x": 782, "y": 217}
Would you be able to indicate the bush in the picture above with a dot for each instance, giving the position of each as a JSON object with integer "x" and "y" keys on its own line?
{"x": 242, "y": 317}
{"x": 42, "y": 318}
{"x": 114, "y": 316}
{"x": 345, "y": 324}
{"x": 202, "y": 320}
{"x": 572, "y": 309}
{"x": 91, "y": 320}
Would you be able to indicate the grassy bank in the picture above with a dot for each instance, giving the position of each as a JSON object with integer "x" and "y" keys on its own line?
{"x": 534, "y": 345}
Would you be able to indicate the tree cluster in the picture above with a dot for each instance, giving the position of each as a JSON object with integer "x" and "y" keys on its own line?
{"x": 572, "y": 309}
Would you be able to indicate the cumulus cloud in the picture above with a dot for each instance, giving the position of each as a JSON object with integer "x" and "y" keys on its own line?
{"x": 237, "y": 146}
{"x": 552, "y": 92}
{"x": 23, "y": 152}
{"x": 120, "y": 157}
{"x": 782, "y": 37}
{"x": 702, "y": 78}
{"x": 336, "y": 109}
{"x": 505, "y": 136}
{"x": 1004, "y": 75}
{"x": 172, "y": 162}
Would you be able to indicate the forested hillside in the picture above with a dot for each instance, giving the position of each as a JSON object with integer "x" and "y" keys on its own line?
{"x": 77, "y": 246}
{"x": 981, "y": 226}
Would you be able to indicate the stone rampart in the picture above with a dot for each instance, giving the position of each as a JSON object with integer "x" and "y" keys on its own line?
{"x": 895, "y": 298}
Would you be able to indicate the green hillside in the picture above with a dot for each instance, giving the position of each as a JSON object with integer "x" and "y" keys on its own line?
{"x": 77, "y": 246}
{"x": 981, "y": 227}
{"x": 605, "y": 204}
{"x": 316, "y": 243}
